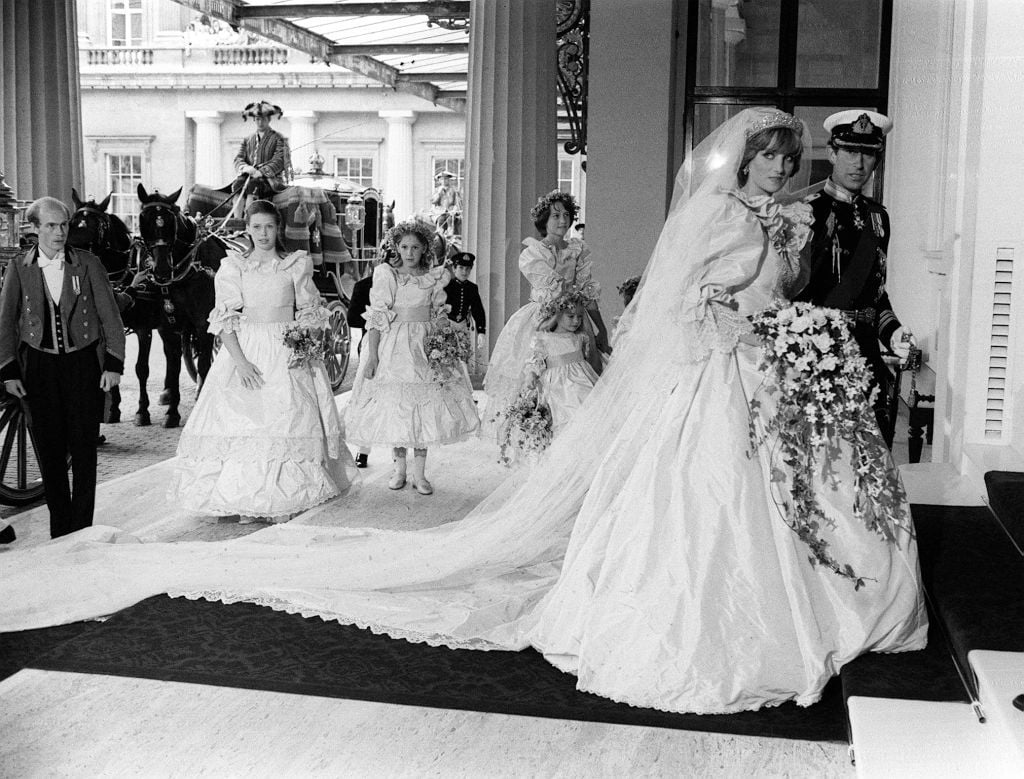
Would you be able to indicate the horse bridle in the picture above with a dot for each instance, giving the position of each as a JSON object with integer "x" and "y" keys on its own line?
{"x": 187, "y": 263}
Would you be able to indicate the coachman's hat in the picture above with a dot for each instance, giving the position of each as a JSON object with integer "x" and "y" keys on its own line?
{"x": 464, "y": 258}
{"x": 262, "y": 108}
{"x": 858, "y": 130}
{"x": 443, "y": 174}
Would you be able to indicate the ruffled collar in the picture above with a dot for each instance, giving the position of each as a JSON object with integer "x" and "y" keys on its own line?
{"x": 788, "y": 226}
{"x": 572, "y": 250}
{"x": 438, "y": 274}
{"x": 249, "y": 264}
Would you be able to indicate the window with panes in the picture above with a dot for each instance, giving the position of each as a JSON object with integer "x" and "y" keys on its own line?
{"x": 808, "y": 57}
{"x": 124, "y": 174}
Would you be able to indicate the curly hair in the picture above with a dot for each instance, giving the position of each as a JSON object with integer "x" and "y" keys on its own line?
{"x": 547, "y": 313}
{"x": 423, "y": 232}
{"x": 541, "y": 212}
{"x": 628, "y": 288}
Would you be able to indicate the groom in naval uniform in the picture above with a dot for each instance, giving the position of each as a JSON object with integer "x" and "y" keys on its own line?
{"x": 847, "y": 251}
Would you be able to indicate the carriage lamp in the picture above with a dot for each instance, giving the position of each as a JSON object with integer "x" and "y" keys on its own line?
{"x": 9, "y": 216}
{"x": 355, "y": 213}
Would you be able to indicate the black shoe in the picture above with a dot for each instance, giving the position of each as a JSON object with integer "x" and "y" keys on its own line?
{"x": 7, "y": 535}
{"x": 361, "y": 460}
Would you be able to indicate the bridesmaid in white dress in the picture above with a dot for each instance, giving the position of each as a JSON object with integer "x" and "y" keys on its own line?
{"x": 397, "y": 400}
{"x": 562, "y": 362}
{"x": 264, "y": 440}
{"x": 551, "y": 264}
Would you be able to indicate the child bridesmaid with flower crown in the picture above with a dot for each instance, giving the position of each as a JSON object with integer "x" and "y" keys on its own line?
{"x": 399, "y": 399}
{"x": 562, "y": 365}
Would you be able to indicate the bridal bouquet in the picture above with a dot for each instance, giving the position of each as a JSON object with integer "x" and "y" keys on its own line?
{"x": 820, "y": 382}
{"x": 306, "y": 344}
{"x": 524, "y": 428}
{"x": 447, "y": 347}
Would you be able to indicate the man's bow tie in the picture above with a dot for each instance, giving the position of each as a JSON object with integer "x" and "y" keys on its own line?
{"x": 58, "y": 259}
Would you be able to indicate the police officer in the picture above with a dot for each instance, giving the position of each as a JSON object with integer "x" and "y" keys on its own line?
{"x": 463, "y": 295}
{"x": 849, "y": 242}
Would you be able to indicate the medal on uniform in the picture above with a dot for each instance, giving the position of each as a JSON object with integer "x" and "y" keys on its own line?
{"x": 876, "y": 224}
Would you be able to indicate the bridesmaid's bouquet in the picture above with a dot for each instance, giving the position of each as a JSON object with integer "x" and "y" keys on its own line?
{"x": 447, "y": 347}
{"x": 306, "y": 344}
{"x": 820, "y": 386}
{"x": 524, "y": 428}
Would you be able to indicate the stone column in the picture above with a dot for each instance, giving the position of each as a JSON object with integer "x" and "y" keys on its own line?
{"x": 40, "y": 108}
{"x": 398, "y": 168}
{"x": 209, "y": 167}
{"x": 511, "y": 142}
{"x": 302, "y": 136}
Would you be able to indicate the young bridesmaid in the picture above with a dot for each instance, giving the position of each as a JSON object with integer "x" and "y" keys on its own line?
{"x": 264, "y": 440}
{"x": 562, "y": 363}
{"x": 397, "y": 399}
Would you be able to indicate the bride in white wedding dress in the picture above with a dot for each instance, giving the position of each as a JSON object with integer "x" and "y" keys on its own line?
{"x": 647, "y": 553}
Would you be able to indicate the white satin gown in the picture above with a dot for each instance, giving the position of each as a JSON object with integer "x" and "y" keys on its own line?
{"x": 273, "y": 451}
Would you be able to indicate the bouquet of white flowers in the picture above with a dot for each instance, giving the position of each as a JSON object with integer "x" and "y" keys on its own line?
{"x": 524, "y": 428}
{"x": 307, "y": 344}
{"x": 821, "y": 382}
{"x": 447, "y": 347}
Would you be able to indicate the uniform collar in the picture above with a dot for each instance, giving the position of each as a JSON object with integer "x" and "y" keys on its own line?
{"x": 840, "y": 193}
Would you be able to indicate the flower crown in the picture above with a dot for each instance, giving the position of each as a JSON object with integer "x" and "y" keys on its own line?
{"x": 776, "y": 119}
{"x": 569, "y": 299}
{"x": 423, "y": 231}
{"x": 554, "y": 196}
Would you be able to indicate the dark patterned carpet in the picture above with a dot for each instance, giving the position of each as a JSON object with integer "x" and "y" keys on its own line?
{"x": 248, "y": 646}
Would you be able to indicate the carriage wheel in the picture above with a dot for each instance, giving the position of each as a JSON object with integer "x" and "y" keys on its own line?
{"x": 20, "y": 479}
{"x": 188, "y": 355}
{"x": 340, "y": 341}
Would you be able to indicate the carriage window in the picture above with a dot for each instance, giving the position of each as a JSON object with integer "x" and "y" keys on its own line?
{"x": 454, "y": 165}
{"x": 124, "y": 173}
{"x": 358, "y": 170}
{"x": 125, "y": 22}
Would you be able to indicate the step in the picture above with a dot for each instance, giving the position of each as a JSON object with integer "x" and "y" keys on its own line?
{"x": 1000, "y": 678}
{"x": 974, "y": 577}
{"x": 926, "y": 739}
{"x": 1006, "y": 498}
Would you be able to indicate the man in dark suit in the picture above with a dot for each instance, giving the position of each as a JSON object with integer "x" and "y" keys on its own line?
{"x": 61, "y": 348}
{"x": 848, "y": 248}
{"x": 262, "y": 158}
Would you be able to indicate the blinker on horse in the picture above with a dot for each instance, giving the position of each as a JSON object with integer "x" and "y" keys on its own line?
{"x": 182, "y": 259}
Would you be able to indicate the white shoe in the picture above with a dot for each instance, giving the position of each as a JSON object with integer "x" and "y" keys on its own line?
{"x": 397, "y": 480}
{"x": 419, "y": 481}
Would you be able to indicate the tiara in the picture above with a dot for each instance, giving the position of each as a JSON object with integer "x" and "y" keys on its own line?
{"x": 776, "y": 119}
{"x": 571, "y": 298}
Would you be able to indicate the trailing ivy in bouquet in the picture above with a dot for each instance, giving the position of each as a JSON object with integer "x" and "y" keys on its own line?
{"x": 820, "y": 383}
{"x": 524, "y": 427}
{"x": 447, "y": 347}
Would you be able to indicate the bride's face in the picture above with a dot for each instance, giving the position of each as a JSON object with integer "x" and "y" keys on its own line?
{"x": 769, "y": 171}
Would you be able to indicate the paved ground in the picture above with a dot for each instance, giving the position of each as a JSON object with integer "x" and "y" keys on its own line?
{"x": 130, "y": 448}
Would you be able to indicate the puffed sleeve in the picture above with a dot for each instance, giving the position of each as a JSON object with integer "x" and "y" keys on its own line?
{"x": 733, "y": 258}
{"x": 310, "y": 310}
{"x": 438, "y": 297}
{"x": 585, "y": 272}
{"x": 380, "y": 313}
{"x": 227, "y": 285}
{"x": 536, "y": 264}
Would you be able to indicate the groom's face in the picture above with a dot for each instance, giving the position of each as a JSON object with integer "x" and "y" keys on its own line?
{"x": 852, "y": 168}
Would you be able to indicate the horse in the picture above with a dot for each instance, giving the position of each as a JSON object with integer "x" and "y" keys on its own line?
{"x": 182, "y": 260}
{"x": 106, "y": 236}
